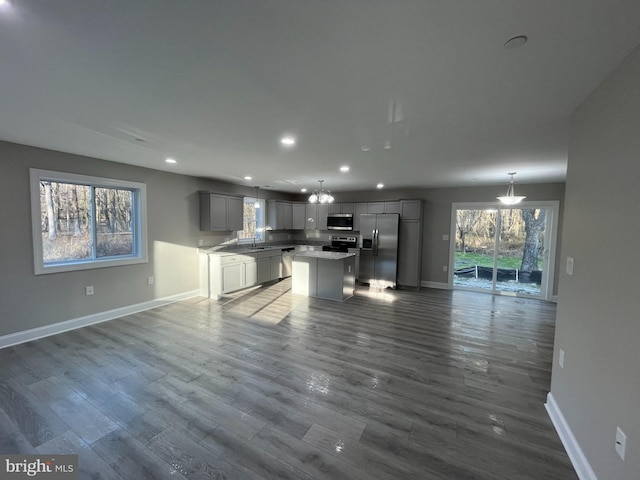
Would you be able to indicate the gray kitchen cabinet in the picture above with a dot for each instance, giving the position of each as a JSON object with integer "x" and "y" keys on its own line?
{"x": 311, "y": 214}
{"x": 220, "y": 212}
{"x": 335, "y": 208}
{"x": 346, "y": 208}
{"x": 299, "y": 216}
{"x": 410, "y": 253}
{"x": 263, "y": 269}
{"x": 375, "y": 207}
{"x": 392, "y": 207}
{"x": 279, "y": 215}
{"x": 321, "y": 216}
{"x": 276, "y": 266}
{"x": 411, "y": 209}
{"x": 358, "y": 209}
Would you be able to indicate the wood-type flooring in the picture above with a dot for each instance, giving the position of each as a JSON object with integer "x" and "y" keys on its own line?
{"x": 428, "y": 384}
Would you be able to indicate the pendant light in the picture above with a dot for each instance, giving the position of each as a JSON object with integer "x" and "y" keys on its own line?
{"x": 321, "y": 195}
{"x": 510, "y": 198}
{"x": 257, "y": 203}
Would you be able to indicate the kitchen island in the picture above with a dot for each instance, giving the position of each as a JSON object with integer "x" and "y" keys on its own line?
{"x": 328, "y": 275}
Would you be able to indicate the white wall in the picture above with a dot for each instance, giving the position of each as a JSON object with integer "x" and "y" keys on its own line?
{"x": 598, "y": 319}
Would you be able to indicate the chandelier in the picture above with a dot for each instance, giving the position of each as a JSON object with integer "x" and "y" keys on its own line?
{"x": 510, "y": 198}
{"x": 321, "y": 195}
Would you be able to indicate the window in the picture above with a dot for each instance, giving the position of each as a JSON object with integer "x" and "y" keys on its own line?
{"x": 81, "y": 222}
{"x": 253, "y": 221}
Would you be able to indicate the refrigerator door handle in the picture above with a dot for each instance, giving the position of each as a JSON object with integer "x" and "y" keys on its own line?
{"x": 376, "y": 237}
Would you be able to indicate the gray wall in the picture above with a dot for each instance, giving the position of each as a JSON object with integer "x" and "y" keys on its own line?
{"x": 29, "y": 301}
{"x": 437, "y": 215}
{"x": 598, "y": 319}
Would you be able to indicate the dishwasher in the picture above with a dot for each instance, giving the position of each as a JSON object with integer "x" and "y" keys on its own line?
{"x": 287, "y": 259}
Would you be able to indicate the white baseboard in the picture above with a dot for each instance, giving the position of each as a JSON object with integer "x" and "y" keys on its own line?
{"x": 440, "y": 285}
{"x": 65, "y": 326}
{"x": 576, "y": 455}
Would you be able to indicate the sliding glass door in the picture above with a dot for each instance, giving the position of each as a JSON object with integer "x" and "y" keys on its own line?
{"x": 504, "y": 250}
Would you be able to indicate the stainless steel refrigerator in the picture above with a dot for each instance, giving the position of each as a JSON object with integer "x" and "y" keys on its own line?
{"x": 379, "y": 249}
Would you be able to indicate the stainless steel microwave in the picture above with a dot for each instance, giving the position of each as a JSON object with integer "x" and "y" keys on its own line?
{"x": 340, "y": 221}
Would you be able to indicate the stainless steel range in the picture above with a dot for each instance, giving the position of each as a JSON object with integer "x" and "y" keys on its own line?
{"x": 341, "y": 243}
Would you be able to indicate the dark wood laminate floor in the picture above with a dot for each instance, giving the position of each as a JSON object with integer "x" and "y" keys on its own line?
{"x": 389, "y": 385}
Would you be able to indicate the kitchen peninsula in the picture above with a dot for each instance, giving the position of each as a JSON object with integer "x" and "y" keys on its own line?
{"x": 328, "y": 275}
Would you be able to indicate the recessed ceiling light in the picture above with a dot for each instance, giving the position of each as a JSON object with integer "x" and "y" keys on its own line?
{"x": 344, "y": 168}
{"x": 4, "y": 3}
{"x": 380, "y": 185}
{"x": 248, "y": 177}
{"x": 171, "y": 160}
{"x": 365, "y": 148}
{"x": 288, "y": 141}
{"x": 516, "y": 42}
{"x": 303, "y": 190}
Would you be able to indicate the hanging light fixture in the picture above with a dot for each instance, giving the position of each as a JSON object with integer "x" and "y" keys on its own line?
{"x": 257, "y": 203}
{"x": 510, "y": 198}
{"x": 321, "y": 195}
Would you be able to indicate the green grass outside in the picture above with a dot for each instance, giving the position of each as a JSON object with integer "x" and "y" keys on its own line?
{"x": 470, "y": 259}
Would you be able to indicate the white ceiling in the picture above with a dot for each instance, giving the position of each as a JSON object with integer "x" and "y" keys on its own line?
{"x": 215, "y": 83}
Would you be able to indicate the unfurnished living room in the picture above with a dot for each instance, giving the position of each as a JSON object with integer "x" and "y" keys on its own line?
{"x": 292, "y": 239}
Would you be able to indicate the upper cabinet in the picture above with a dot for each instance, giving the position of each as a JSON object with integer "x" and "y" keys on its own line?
{"x": 279, "y": 215}
{"x": 321, "y": 216}
{"x": 311, "y": 214}
{"x": 299, "y": 216}
{"x": 346, "y": 208}
{"x": 392, "y": 207}
{"x": 286, "y": 215}
{"x": 375, "y": 207}
{"x": 411, "y": 209}
{"x": 220, "y": 212}
{"x": 358, "y": 209}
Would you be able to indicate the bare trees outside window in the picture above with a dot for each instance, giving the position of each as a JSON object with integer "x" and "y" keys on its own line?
{"x": 253, "y": 222}
{"x": 86, "y": 219}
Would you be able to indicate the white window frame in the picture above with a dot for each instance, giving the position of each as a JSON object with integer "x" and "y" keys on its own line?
{"x": 252, "y": 240}
{"x": 139, "y": 226}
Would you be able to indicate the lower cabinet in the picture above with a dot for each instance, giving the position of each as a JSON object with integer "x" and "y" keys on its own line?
{"x": 232, "y": 277}
{"x": 220, "y": 274}
{"x": 250, "y": 273}
{"x": 264, "y": 269}
{"x": 276, "y": 267}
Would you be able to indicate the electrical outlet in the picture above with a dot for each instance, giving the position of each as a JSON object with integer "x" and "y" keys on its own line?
{"x": 150, "y": 280}
{"x": 621, "y": 442}
{"x": 201, "y": 243}
{"x": 445, "y": 268}
{"x": 561, "y": 359}
{"x": 445, "y": 237}
{"x": 88, "y": 290}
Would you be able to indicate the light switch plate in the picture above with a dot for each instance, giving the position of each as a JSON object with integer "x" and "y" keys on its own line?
{"x": 621, "y": 442}
{"x": 570, "y": 265}
{"x": 445, "y": 237}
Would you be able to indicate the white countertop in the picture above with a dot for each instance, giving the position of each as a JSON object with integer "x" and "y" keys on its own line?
{"x": 242, "y": 251}
{"x": 325, "y": 255}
